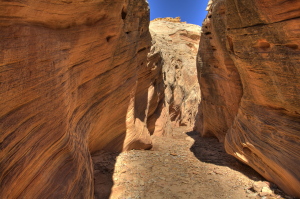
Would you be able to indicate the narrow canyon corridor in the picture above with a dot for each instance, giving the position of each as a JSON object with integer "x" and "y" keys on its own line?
{"x": 180, "y": 165}
{"x": 97, "y": 101}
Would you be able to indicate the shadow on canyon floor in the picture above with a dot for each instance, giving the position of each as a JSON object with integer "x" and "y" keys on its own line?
{"x": 180, "y": 165}
{"x": 104, "y": 165}
{"x": 210, "y": 150}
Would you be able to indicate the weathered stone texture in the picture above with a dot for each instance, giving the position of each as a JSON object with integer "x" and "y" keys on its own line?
{"x": 170, "y": 19}
{"x": 177, "y": 44}
{"x": 250, "y": 83}
{"x": 218, "y": 76}
{"x": 69, "y": 73}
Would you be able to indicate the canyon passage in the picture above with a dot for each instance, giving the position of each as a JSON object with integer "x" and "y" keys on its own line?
{"x": 99, "y": 102}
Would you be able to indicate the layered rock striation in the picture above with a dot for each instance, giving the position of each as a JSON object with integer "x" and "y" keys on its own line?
{"x": 176, "y": 44}
{"x": 70, "y": 79}
{"x": 249, "y": 77}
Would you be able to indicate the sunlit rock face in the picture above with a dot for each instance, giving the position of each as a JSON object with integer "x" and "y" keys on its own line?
{"x": 177, "y": 45}
{"x": 249, "y": 77}
{"x": 69, "y": 81}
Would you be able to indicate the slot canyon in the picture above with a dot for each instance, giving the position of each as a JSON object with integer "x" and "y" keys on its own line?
{"x": 97, "y": 101}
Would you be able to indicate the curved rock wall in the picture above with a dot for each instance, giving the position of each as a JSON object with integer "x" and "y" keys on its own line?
{"x": 249, "y": 78}
{"x": 69, "y": 76}
{"x": 177, "y": 44}
{"x": 220, "y": 82}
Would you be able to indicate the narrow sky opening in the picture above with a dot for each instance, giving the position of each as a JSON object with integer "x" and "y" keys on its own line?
{"x": 191, "y": 11}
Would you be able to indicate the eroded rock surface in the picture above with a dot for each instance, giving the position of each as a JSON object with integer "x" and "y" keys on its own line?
{"x": 69, "y": 81}
{"x": 177, "y": 45}
{"x": 249, "y": 78}
{"x": 170, "y": 19}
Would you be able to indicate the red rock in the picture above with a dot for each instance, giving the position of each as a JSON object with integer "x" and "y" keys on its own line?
{"x": 250, "y": 85}
{"x": 69, "y": 72}
{"x": 219, "y": 79}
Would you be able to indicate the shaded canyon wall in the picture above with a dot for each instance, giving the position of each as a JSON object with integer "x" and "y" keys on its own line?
{"x": 250, "y": 84}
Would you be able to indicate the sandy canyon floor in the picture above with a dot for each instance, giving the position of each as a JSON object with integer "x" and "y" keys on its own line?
{"x": 181, "y": 165}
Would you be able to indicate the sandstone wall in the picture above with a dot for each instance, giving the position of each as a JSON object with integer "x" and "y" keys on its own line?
{"x": 249, "y": 78}
{"x": 69, "y": 84}
{"x": 177, "y": 45}
{"x": 220, "y": 82}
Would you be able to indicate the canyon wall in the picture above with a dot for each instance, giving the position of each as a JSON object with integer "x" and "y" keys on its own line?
{"x": 249, "y": 77}
{"x": 176, "y": 43}
{"x": 70, "y": 79}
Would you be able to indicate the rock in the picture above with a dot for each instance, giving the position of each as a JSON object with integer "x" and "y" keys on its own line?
{"x": 219, "y": 79}
{"x": 248, "y": 74}
{"x": 170, "y": 19}
{"x": 176, "y": 44}
{"x": 266, "y": 191}
{"x": 258, "y": 186}
{"x": 70, "y": 74}
{"x": 252, "y": 195}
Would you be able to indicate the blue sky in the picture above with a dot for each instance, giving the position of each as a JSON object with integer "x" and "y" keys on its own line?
{"x": 191, "y": 11}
